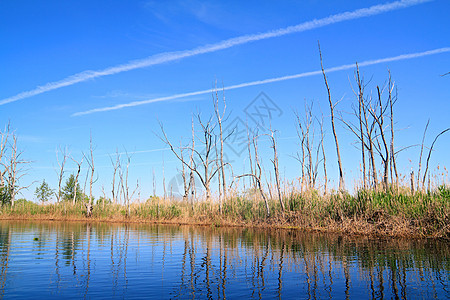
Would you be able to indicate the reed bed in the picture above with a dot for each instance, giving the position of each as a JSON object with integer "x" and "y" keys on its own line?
{"x": 368, "y": 212}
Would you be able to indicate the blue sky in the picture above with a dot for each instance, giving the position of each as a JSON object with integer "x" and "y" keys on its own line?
{"x": 48, "y": 42}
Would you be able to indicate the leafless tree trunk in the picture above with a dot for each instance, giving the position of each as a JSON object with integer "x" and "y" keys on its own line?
{"x": 383, "y": 150}
{"x": 341, "y": 172}
{"x": 61, "y": 170}
{"x": 420, "y": 155}
{"x": 124, "y": 184}
{"x": 324, "y": 159}
{"x": 75, "y": 189}
{"x": 3, "y": 147}
{"x": 258, "y": 172}
{"x": 391, "y": 106}
{"x": 429, "y": 154}
{"x": 301, "y": 158}
{"x": 360, "y": 83}
{"x": 15, "y": 169}
{"x": 206, "y": 159}
{"x": 220, "y": 117}
{"x": 186, "y": 182}
{"x": 276, "y": 168}
{"x": 116, "y": 166}
{"x": 90, "y": 161}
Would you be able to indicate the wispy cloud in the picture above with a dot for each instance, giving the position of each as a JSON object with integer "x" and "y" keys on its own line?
{"x": 270, "y": 80}
{"x": 178, "y": 55}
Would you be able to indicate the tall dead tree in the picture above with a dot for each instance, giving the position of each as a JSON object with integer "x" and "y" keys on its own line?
{"x": 310, "y": 149}
{"x": 365, "y": 130}
{"x": 116, "y": 166}
{"x": 75, "y": 185}
{"x": 90, "y": 161}
{"x": 255, "y": 167}
{"x": 360, "y": 95}
{"x": 60, "y": 172}
{"x": 219, "y": 117}
{"x": 324, "y": 159}
{"x": 382, "y": 146}
{"x": 4, "y": 135}
{"x": 276, "y": 168}
{"x": 185, "y": 172}
{"x": 420, "y": 156}
{"x": 16, "y": 169}
{"x": 333, "y": 127}
{"x": 301, "y": 156}
{"x": 258, "y": 172}
{"x": 392, "y": 100}
{"x": 123, "y": 176}
{"x": 429, "y": 155}
{"x": 204, "y": 166}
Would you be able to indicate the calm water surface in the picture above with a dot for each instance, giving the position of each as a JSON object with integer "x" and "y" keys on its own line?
{"x": 77, "y": 260}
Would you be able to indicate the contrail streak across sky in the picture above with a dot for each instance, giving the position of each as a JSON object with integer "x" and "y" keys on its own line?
{"x": 270, "y": 80}
{"x": 225, "y": 44}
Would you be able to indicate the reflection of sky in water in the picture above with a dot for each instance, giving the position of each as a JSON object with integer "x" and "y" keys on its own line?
{"x": 55, "y": 260}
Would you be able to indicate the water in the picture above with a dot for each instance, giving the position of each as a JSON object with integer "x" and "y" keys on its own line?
{"x": 78, "y": 260}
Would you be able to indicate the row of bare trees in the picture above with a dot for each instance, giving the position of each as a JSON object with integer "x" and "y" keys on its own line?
{"x": 120, "y": 189}
{"x": 203, "y": 157}
{"x": 371, "y": 121}
{"x": 12, "y": 166}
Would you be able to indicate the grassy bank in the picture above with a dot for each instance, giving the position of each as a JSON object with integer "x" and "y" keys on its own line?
{"x": 366, "y": 212}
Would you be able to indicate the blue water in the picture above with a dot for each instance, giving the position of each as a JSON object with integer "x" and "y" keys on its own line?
{"x": 115, "y": 261}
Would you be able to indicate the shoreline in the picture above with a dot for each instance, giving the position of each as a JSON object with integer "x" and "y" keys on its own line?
{"x": 347, "y": 227}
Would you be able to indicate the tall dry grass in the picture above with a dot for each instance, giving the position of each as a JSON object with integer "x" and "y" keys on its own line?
{"x": 366, "y": 212}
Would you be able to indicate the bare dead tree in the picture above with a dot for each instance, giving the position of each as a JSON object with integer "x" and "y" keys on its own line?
{"x": 191, "y": 165}
{"x": 324, "y": 159}
{"x": 75, "y": 186}
{"x": 90, "y": 161}
{"x": 123, "y": 175}
{"x": 219, "y": 117}
{"x": 3, "y": 147}
{"x": 420, "y": 155}
{"x": 16, "y": 169}
{"x": 206, "y": 159}
{"x": 61, "y": 165}
{"x": 116, "y": 166}
{"x": 392, "y": 101}
{"x": 301, "y": 156}
{"x": 310, "y": 151}
{"x": 360, "y": 95}
{"x": 275, "y": 166}
{"x": 185, "y": 171}
{"x": 429, "y": 154}
{"x": 205, "y": 168}
{"x": 258, "y": 173}
{"x": 332, "y": 106}
{"x": 186, "y": 181}
{"x": 369, "y": 125}
{"x": 382, "y": 147}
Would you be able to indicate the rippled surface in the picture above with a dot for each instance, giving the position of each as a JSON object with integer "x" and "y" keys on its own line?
{"x": 76, "y": 260}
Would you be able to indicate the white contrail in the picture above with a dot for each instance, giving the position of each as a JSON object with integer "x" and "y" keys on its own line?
{"x": 270, "y": 80}
{"x": 172, "y": 56}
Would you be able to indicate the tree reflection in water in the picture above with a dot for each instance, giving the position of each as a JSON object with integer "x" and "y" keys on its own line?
{"x": 129, "y": 260}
